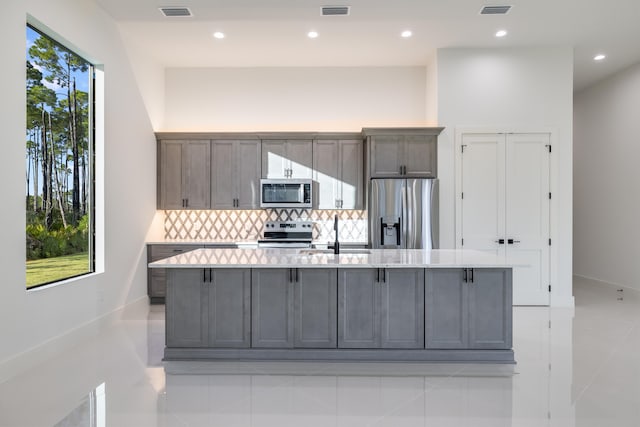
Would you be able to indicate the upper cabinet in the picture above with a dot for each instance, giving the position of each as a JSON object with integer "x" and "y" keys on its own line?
{"x": 236, "y": 174}
{"x": 287, "y": 158}
{"x": 338, "y": 173}
{"x": 402, "y": 152}
{"x": 184, "y": 175}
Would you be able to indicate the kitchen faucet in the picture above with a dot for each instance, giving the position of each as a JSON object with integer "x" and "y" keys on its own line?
{"x": 336, "y": 244}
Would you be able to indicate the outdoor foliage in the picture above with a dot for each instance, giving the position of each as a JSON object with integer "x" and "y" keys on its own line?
{"x": 58, "y": 175}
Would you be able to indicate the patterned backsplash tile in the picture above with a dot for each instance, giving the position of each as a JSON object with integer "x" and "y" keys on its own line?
{"x": 236, "y": 225}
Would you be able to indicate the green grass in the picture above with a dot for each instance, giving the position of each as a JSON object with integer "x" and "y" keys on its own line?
{"x": 52, "y": 269}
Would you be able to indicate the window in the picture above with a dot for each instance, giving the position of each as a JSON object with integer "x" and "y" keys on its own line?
{"x": 59, "y": 162}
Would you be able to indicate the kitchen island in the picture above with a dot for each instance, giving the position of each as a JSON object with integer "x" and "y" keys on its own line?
{"x": 305, "y": 304}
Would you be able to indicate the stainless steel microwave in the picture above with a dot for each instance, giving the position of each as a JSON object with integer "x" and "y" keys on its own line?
{"x": 285, "y": 193}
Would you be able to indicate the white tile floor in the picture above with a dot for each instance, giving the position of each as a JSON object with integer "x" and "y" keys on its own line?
{"x": 583, "y": 371}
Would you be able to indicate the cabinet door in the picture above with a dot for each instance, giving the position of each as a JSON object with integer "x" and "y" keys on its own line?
{"x": 358, "y": 308}
{"x": 351, "y": 181}
{"x": 274, "y": 159}
{"x": 402, "y": 308}
{"x": 247, "y": 174}
{"x": 445, "y": 310}
{"x": 229, "y": 314}
{"x": 386, "y": 156}
{"x": 197, "y": 174}
{"x": 170, "y": 182}
{"x": 156, "y": 277}
{"x": 224, "y": 172}
{"x": 490, "y": 308}
{"x": 300, "y": 156}
{"x": 271, "y": 308}
{"x": 186, "y": 308}
{"x": 315, "y": 307}
{"x": 420, "y": 156}
{"x": 326, "y": 173}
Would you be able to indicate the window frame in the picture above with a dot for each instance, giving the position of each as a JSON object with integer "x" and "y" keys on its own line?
{"x": 91, "y": 159}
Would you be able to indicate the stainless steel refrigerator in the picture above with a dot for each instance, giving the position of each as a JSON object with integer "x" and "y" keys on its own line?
{"x": 403, "y": 213}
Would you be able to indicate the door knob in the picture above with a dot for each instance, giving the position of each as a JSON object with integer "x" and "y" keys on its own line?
{"x": 511, "y": 241}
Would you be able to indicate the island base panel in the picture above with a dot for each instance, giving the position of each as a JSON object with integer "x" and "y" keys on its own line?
{"x": 362, "y": 355}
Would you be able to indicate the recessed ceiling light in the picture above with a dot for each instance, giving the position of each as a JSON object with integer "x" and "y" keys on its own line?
{"x": 219, "y": 35}
{"x": 406, "y": 33}
{"x": 501, "y": 33}
{"x": 312, "y": 34}
{"x": 599, "y": 57}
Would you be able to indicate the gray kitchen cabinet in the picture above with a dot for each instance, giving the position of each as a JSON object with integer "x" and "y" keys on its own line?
{"x": 315, "y": 307}
{"x": 236, "y": 174}
{"x": 186, "y": 318}
{"x": 272, "y": 307}
{"x": 468, "y": 308}
{"x": 402, "y": 152}
{"x": 381, "y": 308}
{"x": 490, "y": 300}
{"x": 446, "y": 317}
{"x": 229, "y": 307}
{"x": 338, "y": 173}
{"x": 287, "y": 158}
{"x": 157, "y": 277}
{"x": 358, "y": 308}
{"x": 402, "y": 308}
{"x": 208, "y": 308}
{"x": 184, "y": 177}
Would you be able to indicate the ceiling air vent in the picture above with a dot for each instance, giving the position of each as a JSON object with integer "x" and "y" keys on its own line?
{"x": 334, "y": 10}
{"x": 495, "y": 10}
{"x": 176, "y": 12}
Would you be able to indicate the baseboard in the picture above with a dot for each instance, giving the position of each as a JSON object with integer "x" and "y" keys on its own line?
{"x": 55, "y": 346}
{"x": 606, "y": 283}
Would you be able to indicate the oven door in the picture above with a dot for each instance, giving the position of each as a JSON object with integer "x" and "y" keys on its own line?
{"x": 285, "y": 193}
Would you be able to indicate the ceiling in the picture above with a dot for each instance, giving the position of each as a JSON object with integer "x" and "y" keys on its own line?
{"x": 272, "y": 33}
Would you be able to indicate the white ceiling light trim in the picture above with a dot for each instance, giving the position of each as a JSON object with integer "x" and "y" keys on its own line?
{"x": 599, "y": 57}
{"x": 406, "y": 34}
{"x": 312, "y": 34}
{"x": 501, "y": 33}
{"x": 219, "y": 35}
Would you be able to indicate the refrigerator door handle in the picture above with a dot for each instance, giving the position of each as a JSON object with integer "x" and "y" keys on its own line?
{"x": 381, "y": 232}
{"x": 398, "y": 231}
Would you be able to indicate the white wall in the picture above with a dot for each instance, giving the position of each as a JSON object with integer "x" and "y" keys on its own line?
{"x": 521, "y": 88}
{"x": 293, "y": 99}
{"x": 30, "y": 319}
{"x": 606, "y": 177}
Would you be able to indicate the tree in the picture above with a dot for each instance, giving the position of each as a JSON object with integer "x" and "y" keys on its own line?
{"x": 60, "y": 66}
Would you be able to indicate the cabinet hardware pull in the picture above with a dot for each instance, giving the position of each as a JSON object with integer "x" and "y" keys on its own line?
{"x": 384, "y": 275}
{"x": 500, "y": 241}
{"x": 471, "y": 271}
{"x": 511, "y": 241}
{"x": 377, "y": 275}
{"x": 464, "y": 275}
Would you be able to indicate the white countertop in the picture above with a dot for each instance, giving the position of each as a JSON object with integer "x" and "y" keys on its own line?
{"x": 294, "y": 258}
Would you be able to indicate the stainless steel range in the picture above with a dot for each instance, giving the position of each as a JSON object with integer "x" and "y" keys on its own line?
{"x": 287, "y": 234}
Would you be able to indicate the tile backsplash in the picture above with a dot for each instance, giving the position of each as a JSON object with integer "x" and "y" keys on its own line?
{"x": 237, "y": 225}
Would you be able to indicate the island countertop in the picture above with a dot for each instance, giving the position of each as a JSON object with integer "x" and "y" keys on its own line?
{"x": 310, "y": 258}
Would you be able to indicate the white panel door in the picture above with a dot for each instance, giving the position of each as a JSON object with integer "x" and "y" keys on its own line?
{"x": 483, "y": 192}
{"x": 527, "y": 216}
{"x": 505, "y": 206}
